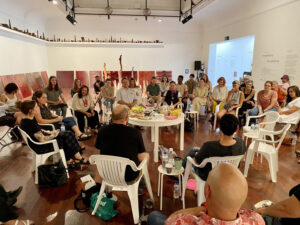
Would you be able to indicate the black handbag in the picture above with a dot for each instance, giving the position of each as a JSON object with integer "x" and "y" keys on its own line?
{"x": 188, "y": 124}
{"x": 85, "y": 198}
{"x": 52, "y": 175}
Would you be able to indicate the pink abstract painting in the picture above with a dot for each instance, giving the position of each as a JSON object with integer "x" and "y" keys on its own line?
{"x": 83, "y": 76}
{"x": 65, "y": 79}
{"x": 45, "y": 77}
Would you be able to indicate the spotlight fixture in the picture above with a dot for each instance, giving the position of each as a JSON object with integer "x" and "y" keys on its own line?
{"x": 186, "y": 19}
{"x": 159, "y": 20}
{"x": 71, "y": 19}
{"x": 53, "y": 1}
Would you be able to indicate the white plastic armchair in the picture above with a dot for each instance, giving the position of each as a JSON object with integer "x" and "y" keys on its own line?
{"x": 271, "y": 119}
{"x": 41, "y": 158}
{"x": 47, "y": 125}
{"x": 218, "y": 109}
{"x": 112, "y": 171}
{"x": 75, "y": 118}
{"x": 268, "y": 149}
{"x": 235, "y": 160}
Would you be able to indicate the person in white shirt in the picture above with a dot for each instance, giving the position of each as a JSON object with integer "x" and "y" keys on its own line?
{"x": 219, "y": 94}
{"x": 126, "y": 96}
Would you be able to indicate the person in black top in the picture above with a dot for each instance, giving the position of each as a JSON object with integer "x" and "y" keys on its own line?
{"x": 172, "y": 96}
{"x": 285, "y": 212}
{"x": 226, "y": 146}
{"x": 117, "y": 139}
{"x": 97, "y": 88}
{"x": 249, "y": 101}
{"x": 66, "y": 139}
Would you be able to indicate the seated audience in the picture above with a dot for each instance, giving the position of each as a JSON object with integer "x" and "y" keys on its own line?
{"x": 108, "y": 92}
{"x": 266, "y": 101}
{"x": 291, "y": 112}
{"x": 226, "y": 146}
{"x": 53, "y": 93}
{"x": 10, "y": 97}
{"x": 76, "y": 86}
{"x": 83, "y": 106}
{"x": 66, "y": 139}
{"x": 172, "y": 96}
{"x": 285, "y": 212}
{"x": 153, "y": 92}
{"x": 97, "y": 88}
{"x": 219, "y": 95}
{"x": 248, "y": 102}
{"x": 207, "y": 83}
{"x": 44, "y": 116}
{"x": 200, "y": 96}
{"x": 183, "y": 90}
{"x": 243, "y": 83}
{"x": 164, "y": 85}
{"x": 225, "y": 191}
{"x": 234, "y": 100}
{"x": 126, "y": 96}
{"x": 137, "y": 91}
{"x": 130, "y": 143}
{"x": 285, "y": 79}
{"x": 191, "y": 85}
{"x": 281, "y": 93}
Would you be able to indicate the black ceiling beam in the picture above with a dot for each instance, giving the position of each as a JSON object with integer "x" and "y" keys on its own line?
{"x": 105, "y": 14}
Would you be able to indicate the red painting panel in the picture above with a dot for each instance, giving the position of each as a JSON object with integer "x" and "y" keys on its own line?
{"x": 38, "y": 80}
{"x": 24, "y": 88}
{"x": 83, "y": 76}
{"x": 33, "y": 83}
{"x": 1, "y": 87}
{"x": 45, "y": 78}
{"x": 146, "y": 76}
{"x": 92, "y": 77}
{"x": 160, "y": 74}
{"x": 65, "y": 79}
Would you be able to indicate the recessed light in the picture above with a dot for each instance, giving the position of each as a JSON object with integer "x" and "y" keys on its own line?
{"x": 54, "y": 2}
{"x": 159, "y": 20}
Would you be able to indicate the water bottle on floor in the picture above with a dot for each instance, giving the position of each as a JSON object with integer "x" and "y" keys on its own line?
{"x": 176, "y": 190}
{"x": 171, "y": 157}
{"x": 294, "y": 139}
{"x": 62, "y": 127}
{"x": 164, "y": 159}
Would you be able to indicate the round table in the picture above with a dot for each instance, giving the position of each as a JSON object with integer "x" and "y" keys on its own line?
{"x": 161, "y": 172}
{"x": 155, "y": 123}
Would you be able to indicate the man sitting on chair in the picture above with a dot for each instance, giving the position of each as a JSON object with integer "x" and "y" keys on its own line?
{"x": 225, "y": 192}
{"x": 226, "y": 146}
{"x": 117, "y": 139}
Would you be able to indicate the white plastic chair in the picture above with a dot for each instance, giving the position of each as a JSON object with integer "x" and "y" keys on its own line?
{"x": 235, "y": 160}
{"x": 75, "y": 118}
{"x": 271, "y": 119}
{"x": 41, "y": 158}
{"x": 112, "y": 171}
{"x": 216, "y": 113}
{"x": 267, "y": 149}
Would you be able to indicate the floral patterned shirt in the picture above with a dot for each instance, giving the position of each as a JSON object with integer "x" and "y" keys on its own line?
{"x": 245, "y": 217}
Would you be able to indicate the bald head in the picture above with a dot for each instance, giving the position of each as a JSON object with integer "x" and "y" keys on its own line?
{"x": 119, "y": 113}
{"x": 226, "y": 188}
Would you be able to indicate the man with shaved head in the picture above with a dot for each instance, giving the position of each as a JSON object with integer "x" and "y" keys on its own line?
{"x": 225, "y": 192}
{"x": 118, "y": 139}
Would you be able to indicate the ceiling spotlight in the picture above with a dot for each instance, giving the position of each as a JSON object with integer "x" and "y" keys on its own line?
{"x": 109, "y": 10}
{"x": 147, "y": 12}
{"x": 71, "y": 19}
{"x": 53, "y": 1}
{"x": 159, "y": 20}
{"x": 186, "y": 19}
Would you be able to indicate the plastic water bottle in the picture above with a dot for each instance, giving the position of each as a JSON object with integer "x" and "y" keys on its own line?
{"x": 294, "y": 139}
{"x": 108, "y": 107}
{"x": 176, "y": 190}
{"x": 164, "y": 159}
{"x": 171, "y": 157}
{"x": 62, "y": 127}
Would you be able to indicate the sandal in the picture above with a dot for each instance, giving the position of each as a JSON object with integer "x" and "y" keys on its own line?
{"x": 81, "y": 161}
{"x": 25, "y": 222}
{"x": 80, "y": 138}
{"x": 73, "y": 165}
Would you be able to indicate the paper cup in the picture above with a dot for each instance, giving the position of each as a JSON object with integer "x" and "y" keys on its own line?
{"x": 169, "y": 168}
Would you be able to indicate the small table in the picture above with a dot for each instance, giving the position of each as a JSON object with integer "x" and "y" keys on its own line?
{"x": 161, "y": 172}
{"x": 155, "y": 124}
{"x": 196, "y": 117}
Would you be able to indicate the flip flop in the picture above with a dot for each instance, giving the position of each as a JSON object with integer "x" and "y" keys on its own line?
{"x": 80, "y": 138}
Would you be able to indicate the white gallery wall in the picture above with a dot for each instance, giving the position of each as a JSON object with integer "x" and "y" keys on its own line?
{"x": 17, "y": 54}
{"x": 181, "y": 44}
{"x": 276, "y": 47}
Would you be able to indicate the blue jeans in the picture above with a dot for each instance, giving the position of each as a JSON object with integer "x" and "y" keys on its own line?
{"x": 254, "y": 112}
{"x": 69, "y": 122}
{"x": 109, "y": 101}
{"x": 62, "y": 111}
{"x": 156, "y": 218}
